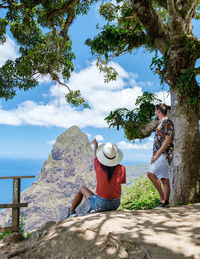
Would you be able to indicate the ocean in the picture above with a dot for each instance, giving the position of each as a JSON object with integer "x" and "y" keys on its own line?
{"x": 17, "y": 167}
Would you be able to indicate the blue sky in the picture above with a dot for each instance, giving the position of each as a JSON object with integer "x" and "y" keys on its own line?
{"x": 31, "y": 122}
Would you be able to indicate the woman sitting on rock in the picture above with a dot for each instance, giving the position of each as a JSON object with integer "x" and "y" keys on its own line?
{"x": 110, "y": 175}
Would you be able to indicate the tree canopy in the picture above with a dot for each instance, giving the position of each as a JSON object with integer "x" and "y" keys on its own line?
{"x": 162, "y": 27}
{"x": 40, "y": 29}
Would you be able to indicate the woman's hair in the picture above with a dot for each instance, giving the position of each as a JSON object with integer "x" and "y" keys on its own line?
{"x": 109, "y": 170}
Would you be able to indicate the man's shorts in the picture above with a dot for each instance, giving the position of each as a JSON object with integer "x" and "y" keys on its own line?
{"x": 99, "y": 204}
{"x": 160, "y": 167}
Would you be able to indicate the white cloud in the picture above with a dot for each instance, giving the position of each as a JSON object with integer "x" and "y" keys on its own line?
{"x": 51, "y": 142}
{"x": 164, "y": 96}
{"x": 99, "y": 138}
{"x": 137, "y": 145}
{"x": 101, "y": 97}
{"x": 8, "y": 50}
{"x": 9, "y": 117}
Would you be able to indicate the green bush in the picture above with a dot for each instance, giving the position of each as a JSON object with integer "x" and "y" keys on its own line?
{"x": 3, "y": 234}
{"x": 141, "y": 195}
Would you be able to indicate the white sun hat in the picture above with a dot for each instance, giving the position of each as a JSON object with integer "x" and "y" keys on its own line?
{"x": 109, "y": 154}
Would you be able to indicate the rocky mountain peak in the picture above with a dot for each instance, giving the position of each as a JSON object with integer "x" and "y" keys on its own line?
{"x": 71, "y": 151}
{"x": 72, "y": 136}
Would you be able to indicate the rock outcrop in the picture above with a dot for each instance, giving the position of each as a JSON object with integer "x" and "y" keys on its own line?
{"x": 154, "y": 234}
{"x": 69, "y": 165}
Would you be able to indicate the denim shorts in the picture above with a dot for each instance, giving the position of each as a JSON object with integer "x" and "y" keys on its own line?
{"x": 99, "y": 204}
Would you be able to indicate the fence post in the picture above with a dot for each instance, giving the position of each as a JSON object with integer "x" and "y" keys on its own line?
{"x": 15, "y": 205}
{"x": 16, "y": 199}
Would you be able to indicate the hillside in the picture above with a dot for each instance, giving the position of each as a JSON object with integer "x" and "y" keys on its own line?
{"x": 155, "y": 234}
{"x": 135, "y": 171}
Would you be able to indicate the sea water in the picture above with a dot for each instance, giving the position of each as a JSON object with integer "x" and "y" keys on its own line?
{"x": 17, "y": 167}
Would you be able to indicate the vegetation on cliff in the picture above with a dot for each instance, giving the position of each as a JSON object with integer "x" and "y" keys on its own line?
{"x": 140, "y": 195}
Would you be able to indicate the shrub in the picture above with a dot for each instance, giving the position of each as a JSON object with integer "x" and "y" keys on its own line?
{"x": 141, "y": 195}
{"x": 3, "y": 234}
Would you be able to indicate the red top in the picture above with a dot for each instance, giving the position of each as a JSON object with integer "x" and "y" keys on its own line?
{"x": 112, "y": 189}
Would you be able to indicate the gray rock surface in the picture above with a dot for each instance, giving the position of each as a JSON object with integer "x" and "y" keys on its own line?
{"x": 69, "y": 165}
{"x": 165, "y": 233}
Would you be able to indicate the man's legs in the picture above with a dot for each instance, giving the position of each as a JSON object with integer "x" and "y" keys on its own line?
{"x": 82, "y": 192}
{"x": 166, "y": 188}
{"x": 156, "y": 182}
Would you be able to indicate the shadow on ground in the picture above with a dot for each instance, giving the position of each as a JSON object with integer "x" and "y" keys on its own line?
{"x": 158, "y": 234}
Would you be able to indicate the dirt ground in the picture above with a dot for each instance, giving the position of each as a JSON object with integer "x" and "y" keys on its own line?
{"x": 157, "y": 234}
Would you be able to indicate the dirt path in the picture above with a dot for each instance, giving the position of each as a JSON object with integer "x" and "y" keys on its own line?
{"x": 157, "y": 234}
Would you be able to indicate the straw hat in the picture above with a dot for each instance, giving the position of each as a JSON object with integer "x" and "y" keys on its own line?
{"x": 109, "y": 154}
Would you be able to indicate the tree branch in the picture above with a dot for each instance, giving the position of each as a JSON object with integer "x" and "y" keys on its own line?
{"x": 151, "y": 126}
{"x": 187, "y": 8}
{"x": 171, "y": 7}
{"x": 10, "y": 3}
{"x": 56, "y": 78}
{"x": 176, "y": 23}
{"x": 1, "y": 6}
{"x": 196, "y": 71}
{"x": 130, "y": 45}
{"x": 65, "y": 8}
{"x": 69, "y": 8}
{"x": 70, "y": 17}
{"x": 68, "y": 22}
{"x": 152, "y": 22}
{"x": 64, "y": 85}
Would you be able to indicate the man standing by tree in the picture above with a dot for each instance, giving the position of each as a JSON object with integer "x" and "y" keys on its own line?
{"x": 162, "y": 155}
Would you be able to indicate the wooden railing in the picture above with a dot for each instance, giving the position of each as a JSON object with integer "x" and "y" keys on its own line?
{"x": 15, "y": 205}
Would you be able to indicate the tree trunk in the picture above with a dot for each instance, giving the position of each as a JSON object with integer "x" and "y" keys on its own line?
{"x": 185, "y": 168}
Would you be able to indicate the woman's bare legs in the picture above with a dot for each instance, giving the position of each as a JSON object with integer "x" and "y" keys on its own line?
{"x": 82, "y": 192}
